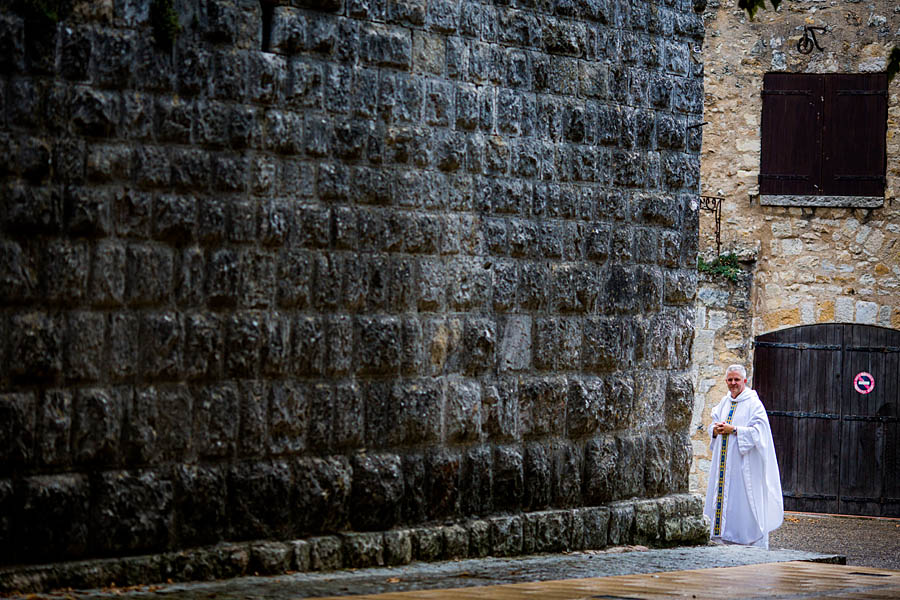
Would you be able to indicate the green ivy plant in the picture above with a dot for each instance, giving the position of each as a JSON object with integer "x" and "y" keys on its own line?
{"x": 752, "y": 6}
{"x": 725, "y": 265}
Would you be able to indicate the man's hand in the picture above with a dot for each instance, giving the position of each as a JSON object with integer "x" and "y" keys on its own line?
{"x": 723, "y": 428}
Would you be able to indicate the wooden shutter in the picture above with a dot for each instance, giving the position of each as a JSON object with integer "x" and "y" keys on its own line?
{"x": 791, "y": 133}
{"x": 854, "y": 136}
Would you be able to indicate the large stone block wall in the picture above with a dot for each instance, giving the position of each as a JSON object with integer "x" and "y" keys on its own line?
{"x": 341, "y": 266}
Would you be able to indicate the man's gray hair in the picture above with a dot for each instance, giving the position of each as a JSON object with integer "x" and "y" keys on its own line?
{"x": 738, "y": 368}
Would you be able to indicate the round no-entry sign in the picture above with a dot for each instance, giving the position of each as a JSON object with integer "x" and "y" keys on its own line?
{"x": 864, "y": 382}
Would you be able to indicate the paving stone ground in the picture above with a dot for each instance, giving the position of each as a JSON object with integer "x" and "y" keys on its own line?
{"x": 460, "y": 574}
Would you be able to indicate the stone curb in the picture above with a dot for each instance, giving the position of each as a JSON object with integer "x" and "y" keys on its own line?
{"x": 668, "y": 521}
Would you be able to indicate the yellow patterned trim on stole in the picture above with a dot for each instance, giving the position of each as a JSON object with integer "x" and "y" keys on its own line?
{"x": 721, "y": 487}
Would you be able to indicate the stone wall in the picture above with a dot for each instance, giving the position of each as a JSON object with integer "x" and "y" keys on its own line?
{"x": 721, "y": 337}
{"x": 807, "y": 264}
{"x": 346, "y": 266}
{"x": 816, "y": 265}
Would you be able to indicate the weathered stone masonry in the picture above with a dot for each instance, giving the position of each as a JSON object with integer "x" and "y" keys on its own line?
{"x": 413, "y": 264}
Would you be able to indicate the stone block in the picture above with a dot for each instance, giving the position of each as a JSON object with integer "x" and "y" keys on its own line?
{"x": 33, "y": 210}
{"x": 479, "y": 533}
{"x": 175, "y": 424}
{"x": 132, "y": 512}
{"x": 428, "y": 543}
{"x": 55, "y": 424}
{"x": 301, "y": 559}
{"x": 600, "y": 459}
{"x": 326, "y": 553}
{"x": 349, "y": 416}
{"x": 215, "y": 428}
{"x": 463, "y": 410}
{"x": 175, "y": 217}
{"x": 595, "y": 521}
{"x": 107, "y": 282}
{"x": 53, "y": 519}
{"x": 568, "y": 467}
{"x": 322, "y": 488}
{"x": 18, "y": 272}
{"x": 398, "y": 547}
{"x": 476, "y": 485}
{"x": 539, "y": 472}
{"x": 415, "y": 495}
{"x": 65, "y": 271}
{"x": 630, "y": 467}
{"x": 379, "y": 344}
{"x": 507, "y": 535}
{"x": 649, "y": 400}
{"x": 456, "y": 541}
{"x": 679, "y": 402}
{"x": 150, "y": 274}
{"x": 546, "y": 531}
{"x": 468, "y": 284}
{"x": 557, "y": 344}
{"x": 271, "y": 558}
{"x": 376, "y": 499}
{"x": 682, "y": 455}
{"x": 295, "y": 278}
{"x": 243, "y": 339}
{"x": 586, "y": 407}
{"x": 36, "y": 345}
{"x": 98, "y": 419}
{"x": 140, "y": 426}
{"x": 252, "y": 434}
{"x": 200, "y": 504}
{"x": 288, "y": 413}
{"x": 621, "y": 523}
{"x": 84, "y": 346}
{"x": 542, "y": 406}
{"x": 88, "y": 211}
{"x": 508, "y": 477}
{"x": 308, "y": 353}
{"x": 607, "y": 346}
{"x": 251, "y": 488}
{"x": 646, "y": 522}
{"x": 500, "y": 410}
{"x": 203, "y": 345}
{"x": 18, "y": 430}
{"x": 363, "y": 550}
{"x": 620, "y": 398}
{"x": 442, "y": 482}
{"x": 162, "y": 340}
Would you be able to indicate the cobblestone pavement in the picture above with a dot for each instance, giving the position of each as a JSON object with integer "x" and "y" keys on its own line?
{"x": 864, "y": 541}
{"x": 455, "y": 574}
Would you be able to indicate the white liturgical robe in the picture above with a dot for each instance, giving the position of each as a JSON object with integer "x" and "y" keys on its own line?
{"x": 744, "y": 493}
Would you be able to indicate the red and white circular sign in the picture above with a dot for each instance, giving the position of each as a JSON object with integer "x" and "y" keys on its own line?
{"x": 864, "y": 382}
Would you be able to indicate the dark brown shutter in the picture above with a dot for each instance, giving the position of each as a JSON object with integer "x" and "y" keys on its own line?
{"x": 791, "y": 133}
{"x": 854, "y": 136}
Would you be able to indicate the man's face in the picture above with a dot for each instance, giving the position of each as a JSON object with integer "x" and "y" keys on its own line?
{"x": 735, "y": 383}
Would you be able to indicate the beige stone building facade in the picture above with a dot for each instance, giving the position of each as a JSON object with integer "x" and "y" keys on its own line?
{"x": 804, "y": 264}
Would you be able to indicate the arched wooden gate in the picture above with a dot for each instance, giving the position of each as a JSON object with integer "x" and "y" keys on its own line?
{"x": 837, "y": 446}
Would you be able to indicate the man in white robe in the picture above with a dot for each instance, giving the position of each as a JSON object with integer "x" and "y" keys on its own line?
{"x": 743, "y": 498}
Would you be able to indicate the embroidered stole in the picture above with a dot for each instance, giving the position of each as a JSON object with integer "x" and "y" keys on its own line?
{"x": 721, "y": 488}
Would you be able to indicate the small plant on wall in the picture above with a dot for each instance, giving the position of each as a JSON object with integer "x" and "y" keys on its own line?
{"x": 724, "y": 265}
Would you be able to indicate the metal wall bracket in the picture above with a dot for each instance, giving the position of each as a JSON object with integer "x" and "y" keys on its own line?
{"x": 714, "y": 205}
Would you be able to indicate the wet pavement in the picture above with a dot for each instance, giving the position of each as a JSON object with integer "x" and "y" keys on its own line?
{"x": 868, "y": 542}
{"x": 457, "y": 574}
